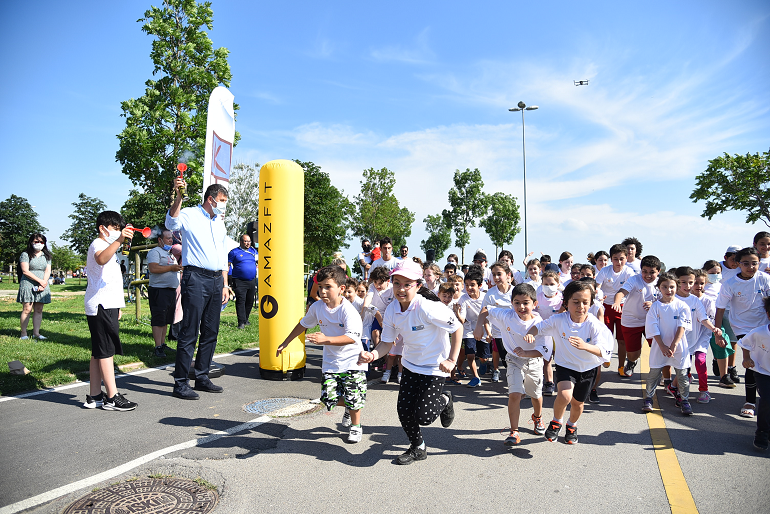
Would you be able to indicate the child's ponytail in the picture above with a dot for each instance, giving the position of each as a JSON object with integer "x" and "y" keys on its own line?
{"x": 427, "y": 294}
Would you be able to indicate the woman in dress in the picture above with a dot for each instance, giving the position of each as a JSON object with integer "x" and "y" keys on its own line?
{"x": 34, "y": 292}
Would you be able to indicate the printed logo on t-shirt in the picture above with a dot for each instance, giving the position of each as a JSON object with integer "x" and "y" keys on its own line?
{"x": 418, "y": 327}
{"x": 588, "y": 340}
{"x": 342, "y": 324}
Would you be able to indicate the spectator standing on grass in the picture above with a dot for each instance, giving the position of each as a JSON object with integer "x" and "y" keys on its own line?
{"x": 34, "y": 291}
{"x": 243, "y": 260}
{"x": 365, "y": 258}
{"x": 204, "y": 281}
{"x": 164, "y": 280}
{"x": 387, "y": 260}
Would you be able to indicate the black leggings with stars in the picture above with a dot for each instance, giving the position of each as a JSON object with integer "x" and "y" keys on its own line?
{"x": 419, "y": 403}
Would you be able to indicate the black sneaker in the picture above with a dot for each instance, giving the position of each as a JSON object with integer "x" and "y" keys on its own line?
{"x": 185, "y": 392}
{"x": 570, "y": 436}
{"x": 686, "y": 408}
{"x": 761, "y": 440}
{"x": 733, "y": 372}
{"x": 159, "y": 352}
{"x": 552, "y": 432}
{"x": 118, "y": 402}
{"x": 448, "y": 414}
{"x": 93, "y": 402}
{"x": 549, "y": 388}
{"x": 411, "y": 455}
{"x": 593, "y": 396}
{"x": 204, "y": 384}
{"x": 715, "y": 367}
{"x": 726, "y": 382}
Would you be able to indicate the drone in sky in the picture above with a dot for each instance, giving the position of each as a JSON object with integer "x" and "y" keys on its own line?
{"x": 580, "y": 82}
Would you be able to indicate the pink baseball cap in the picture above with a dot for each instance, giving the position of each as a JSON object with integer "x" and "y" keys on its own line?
{"x": 407, "y": 268}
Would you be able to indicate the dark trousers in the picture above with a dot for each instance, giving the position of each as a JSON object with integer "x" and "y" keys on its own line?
{"x": 202, "y": 304}
{"x": 763, "y": 409}
{"x": 420, "y": 402}
{"x": 244, "y": 298}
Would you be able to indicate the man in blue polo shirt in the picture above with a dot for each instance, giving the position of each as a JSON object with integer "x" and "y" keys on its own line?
{"x": 204, "y": 257}
{"x": 244, "y": 262}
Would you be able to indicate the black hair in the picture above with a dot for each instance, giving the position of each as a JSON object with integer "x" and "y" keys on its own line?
{"x": 351, "y": 282}
{"x": 465, "y": 268}
{"x": 213, "y": 191}
{"x": 31, "y": 251}
{"x": 110, "y": 219}
{"x": 634, "y": 241}
{"x": 428, "y": 294}
{"x": 501, "y": 265}
{"x": 450, "y": 265}
{"x": 524, "y": 290}
{"x": 650, "y": 261}
{"x": 564, "y": 256}
{"x": 576, "y": 266}
{"x": 545, "y": 258}
{"x": 379, "y": 274}
{"x": 766, "y": 303}
{"x": 588, "y": 266}
{"x": 710, "y": 264}
{"x": 476, "y": 276}
{"x": 505, "y": 253}
{"x": 683, "y": 271}
{"x": 588, "y": 280}
{"x": 447, "y": 287}
{"x": 333, "y": 272}
{"x": 386, "y": 241}
{"x": 533, "y": 261}
{"x": 749, "y": 250}
{"x": 760, "y": 235}
{"x": 575, "y": 287}
{"x": 618, "y": 248}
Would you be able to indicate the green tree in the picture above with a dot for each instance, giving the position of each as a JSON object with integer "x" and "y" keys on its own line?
{"x": 83, "y": 229}
{"x": 326, "y": 212}
{"x": 18, "y": 221}
{"x": 736, "y": 182}
{"x": 168, "y": 123}
{"x": 64, "y": 258}
{"x": 242, "y": 198}
{"x": 468, "y": 202}
{"x": 502, "y": 220}
{"x": 377, "y": 212}
{"x": 439, "y": 235}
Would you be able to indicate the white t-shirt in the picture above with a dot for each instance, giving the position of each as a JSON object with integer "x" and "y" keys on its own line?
{"x": 758, "y": 343}
{"x": 367, "y": 317}
{"x": 343, "y": 320}
{"x": 636, "y": 265}
{"x": 105, "y": 283}
{"x": 704, "y": 336}
{"x": 743, "y": 298}
{"x": 514, "y": 329}
{"x": 381, "y": 299}
{"x": 663, "y": 319}
{"x": 611, "y": 282}
{"x": 533, "y": 283}
{"x": 764, "y": 263}
{"x": 592, "y": 331}
{"x": 487, "y": 280}
{"x": 472, "y": 310}
{"x": 425, "y": 327}
{"x": 547, "y": 307}
{"x": 697, "y": 315}
{"x": 712, "y": 290}
{"x": 389, "y": 264}
{"x": 564, "y": 277}
{"x": 497, "y": 298}
{"x": 728, "y": 273}
{"x": 519, "y": 276}
{"x": 639, "y": 291}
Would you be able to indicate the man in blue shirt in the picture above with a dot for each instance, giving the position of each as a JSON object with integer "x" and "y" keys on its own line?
{"x": 204, "y": 258}
{"x": 244, "y": 262}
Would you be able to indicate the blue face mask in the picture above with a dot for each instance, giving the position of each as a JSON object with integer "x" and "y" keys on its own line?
{"x": 167, "y": 247}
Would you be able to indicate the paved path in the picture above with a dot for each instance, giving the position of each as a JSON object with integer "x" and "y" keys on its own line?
{"x": 303, "y": 464}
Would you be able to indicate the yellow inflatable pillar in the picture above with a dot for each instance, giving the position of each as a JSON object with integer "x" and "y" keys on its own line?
{"x": 281, "y": 256}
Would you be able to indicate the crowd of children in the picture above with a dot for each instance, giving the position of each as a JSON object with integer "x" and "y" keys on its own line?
{"x": 439, "y": 328}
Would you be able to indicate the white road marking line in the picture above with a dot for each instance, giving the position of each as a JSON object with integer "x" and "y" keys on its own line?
{"x": 106, "y": 475}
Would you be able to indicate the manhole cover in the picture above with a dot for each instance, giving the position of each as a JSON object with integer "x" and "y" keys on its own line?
{"x": 271, "y": 404}
{"x": 149, "y": 496}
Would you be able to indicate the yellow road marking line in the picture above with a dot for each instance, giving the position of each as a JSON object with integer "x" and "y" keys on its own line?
{"x": 678, "y": 492}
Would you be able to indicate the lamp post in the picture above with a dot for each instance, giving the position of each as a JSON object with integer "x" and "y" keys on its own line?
{"x": 521, "y": 106}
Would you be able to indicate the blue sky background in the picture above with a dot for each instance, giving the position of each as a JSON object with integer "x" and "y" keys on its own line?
{"x": 423, "y": 89}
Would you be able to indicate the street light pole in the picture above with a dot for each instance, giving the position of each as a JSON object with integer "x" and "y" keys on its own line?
{"x": 523, "y": 107}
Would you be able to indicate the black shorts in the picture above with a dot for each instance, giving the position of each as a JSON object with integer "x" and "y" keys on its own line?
{"x": 162, "y": 306}
{"x": 483, "y": 349}
{"x": 469, "y": 345}
{"x": 105, "y": 336}
{"x": 582, "y": 380}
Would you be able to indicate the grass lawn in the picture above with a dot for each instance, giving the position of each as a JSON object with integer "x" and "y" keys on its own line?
{"x": 65, "y": 356}
{"x": 71, "y": 286}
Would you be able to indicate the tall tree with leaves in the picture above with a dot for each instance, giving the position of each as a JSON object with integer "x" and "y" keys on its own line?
{"x": 64, "y": 258}
{"x": 468, "y": 203}
{"x": 18, "y": 221}
{"x": 168, "y": 123}
{"x": 439, "y": 235}
{"x": 242, "y": 198}
{"x": 326, "y": 212}
{"x": 502, "y": 220}
{"x": 736, "y": 182}
{"x": 83, "y": 229}
{"x": 377, "y": 212}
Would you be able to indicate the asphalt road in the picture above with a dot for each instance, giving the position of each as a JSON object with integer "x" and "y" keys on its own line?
{"x": 303, "y": 464}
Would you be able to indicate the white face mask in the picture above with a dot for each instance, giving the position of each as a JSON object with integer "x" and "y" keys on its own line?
{"x": 219, "y": 208}
{"x": 112, "y": 236}
{"x": 38, "y": 246}
{"x": 714, "y": 278}
{"x": 550, "y": 290}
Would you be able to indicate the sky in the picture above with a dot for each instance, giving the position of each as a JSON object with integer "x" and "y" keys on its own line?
{"x": 424, "y": 88}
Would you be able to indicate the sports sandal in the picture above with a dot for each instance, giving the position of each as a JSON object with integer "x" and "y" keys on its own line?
{"x": 747, "y": 411}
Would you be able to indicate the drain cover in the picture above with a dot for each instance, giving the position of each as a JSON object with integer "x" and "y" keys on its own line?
{"x": 149, "y": 496}
{"x": 271, "y": 404}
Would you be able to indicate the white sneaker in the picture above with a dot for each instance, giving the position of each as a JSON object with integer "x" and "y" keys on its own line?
{"x": 40, "y": 338}
{"x": 385, "y": 377}
{"x": 704, "y": 397}
{"x": 398, "y": 378}
{"x": 346, "y": 419}
{"x": 24, "y": 338}
{"x": 355, "y": 434}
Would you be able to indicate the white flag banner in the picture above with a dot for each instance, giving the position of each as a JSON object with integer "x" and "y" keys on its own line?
{"x": 220, "y": 134}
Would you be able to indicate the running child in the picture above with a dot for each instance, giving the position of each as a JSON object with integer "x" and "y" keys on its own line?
{"x": 103, "y": 303}
{"x": 446, "y": 293}
{"x": 581, "y": 344}
{"x": 574, "y": 274}
{"x": 611, "y": 279}
{"x": 634, "y": 247}
{"x": 743, "y": 294}
{"x": 600, "y": 260}
{"x": 379, "y": 295}
{"x": 471, "y": 301}
{"x": 344, "y": 378}
{"x": 533, "y": 273}
{"x": 549, "y": 302}
{"x": 700, "y": 348}
{"x": 507, "y": 257}
{"x": 524, "y": 359}
{"x": 565, "y": 267}
{"x": 499, "y": 296}
{"x": 756, "y": 356}
{"x": 425, "y": 324}
{"x": 432, "y": 276}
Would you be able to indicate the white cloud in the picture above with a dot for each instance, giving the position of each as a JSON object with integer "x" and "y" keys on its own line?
{"x": 418, "y": 53}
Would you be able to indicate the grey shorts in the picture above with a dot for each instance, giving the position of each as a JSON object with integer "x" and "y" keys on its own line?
{"x": 525, "y": 375}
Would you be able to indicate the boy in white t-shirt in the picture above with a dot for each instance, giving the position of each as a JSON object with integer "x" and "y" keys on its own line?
{"x": 344, "y": 379}
{"x": 611, "y": 279}
{"x": 581, "y": 344}
{"x": 700, "y": 346}
{"x": 379, "y": 295}
{"x": 524, "y": 360}
{"x": 471, "y": 302}
{"x": 549, "y": 302}
{"x": 103, "y": 303}
{"x": 756, "y": 356}
{"x": 634, "y": 247}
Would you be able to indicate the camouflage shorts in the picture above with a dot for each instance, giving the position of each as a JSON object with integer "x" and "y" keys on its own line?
{"x": 348, "y": 385}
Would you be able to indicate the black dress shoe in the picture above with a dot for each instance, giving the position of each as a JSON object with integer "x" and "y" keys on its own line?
{"x": 185, "y": 393}
{"x": 204, "y": 384}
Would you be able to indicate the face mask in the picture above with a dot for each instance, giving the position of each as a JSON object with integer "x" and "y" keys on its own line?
{"x": 167, "y": 247}
{"x": 38, "y": 246}
{"x": 219, "y": 209}
{"x": 714, "y": 278}
{"x": 112, "y": 236}
{"x": 550, "y": 290}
